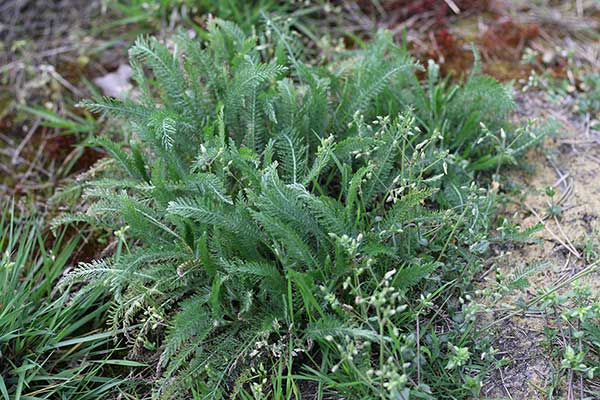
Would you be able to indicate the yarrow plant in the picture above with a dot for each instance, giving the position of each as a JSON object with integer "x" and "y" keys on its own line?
{"x": 321, "y": 223}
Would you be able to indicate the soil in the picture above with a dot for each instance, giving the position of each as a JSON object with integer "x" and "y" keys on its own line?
{"x": 569, "y": 160}
{"x": 48, "y": 51}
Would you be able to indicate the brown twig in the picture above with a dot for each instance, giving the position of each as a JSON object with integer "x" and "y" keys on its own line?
{"x": 559, "y": 240}
{"x": 504, "y": 385}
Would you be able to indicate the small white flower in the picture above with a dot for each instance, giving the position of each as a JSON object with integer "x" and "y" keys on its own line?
{"x": 389, "y": 274}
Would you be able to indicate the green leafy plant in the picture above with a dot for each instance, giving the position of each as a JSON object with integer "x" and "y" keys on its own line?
{"x": 324, "y": 215}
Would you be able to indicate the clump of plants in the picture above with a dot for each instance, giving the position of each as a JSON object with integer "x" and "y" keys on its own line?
{"x": 247, "y": 13}
{"x": 582, "y": 326}
{"x": 291, "y": 225}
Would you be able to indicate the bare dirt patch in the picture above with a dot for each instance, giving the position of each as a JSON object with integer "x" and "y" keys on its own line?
{"x": 570, "y": 163}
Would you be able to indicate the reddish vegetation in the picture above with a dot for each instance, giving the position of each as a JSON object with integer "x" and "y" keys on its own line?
{"x": 449, "y": 52}
{"x": 506, "y": 39}
{"x": 446, "y": 41}
{"x": 501, "y": 47}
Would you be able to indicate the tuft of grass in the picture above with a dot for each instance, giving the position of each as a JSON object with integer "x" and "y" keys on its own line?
{"x": 51, "y": 344}
{"x": 152, "y": 17}
{"x": 246, "y": 12}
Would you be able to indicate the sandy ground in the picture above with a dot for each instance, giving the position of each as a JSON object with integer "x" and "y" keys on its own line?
{"x": 569, "y": 160}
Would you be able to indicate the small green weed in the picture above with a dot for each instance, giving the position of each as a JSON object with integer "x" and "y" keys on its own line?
{"x": 581, "y": 89}
{"x": 576, "y": 335}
